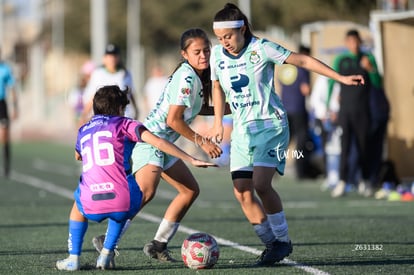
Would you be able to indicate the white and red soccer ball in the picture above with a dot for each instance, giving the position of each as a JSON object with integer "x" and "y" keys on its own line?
{"x": 200, "y": 251}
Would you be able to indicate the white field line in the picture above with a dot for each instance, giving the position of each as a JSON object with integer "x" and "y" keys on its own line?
{"x": 66, "y": 193}
{"x": 54, "y": 168}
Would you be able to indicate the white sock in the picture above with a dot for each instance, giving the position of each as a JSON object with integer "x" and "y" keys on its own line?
{"x": 73, "y": 257}
{"x": 264, "y": 232}
{"x": 279, "y": 226}
{"x": 105, "y": 251}
{"x": 166, "y": 231}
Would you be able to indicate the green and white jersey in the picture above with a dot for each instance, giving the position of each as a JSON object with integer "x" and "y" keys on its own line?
{"x": 184, "y": 88}
{"x": 248, "y": 83}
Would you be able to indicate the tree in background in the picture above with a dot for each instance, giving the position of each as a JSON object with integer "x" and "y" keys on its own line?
{"x": 162, "y": 21}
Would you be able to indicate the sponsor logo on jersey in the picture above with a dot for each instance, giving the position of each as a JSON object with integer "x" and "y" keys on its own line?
{"x": 221, "y": 65}
{"x": 236, "y": 65}
{"x": 188, "y": 79}
{"x": 271, "y": 153}
{"x": 94, "y": 123}
{"x": 101, "y": 187}
{"x": 238, "y": 82}
{"x": 254, "y": 57}
{"x": 238, "y": 96}
{"x": 185, "y": 91}
{"x": 158, "y": 154}
{"x": 244, "y": 105}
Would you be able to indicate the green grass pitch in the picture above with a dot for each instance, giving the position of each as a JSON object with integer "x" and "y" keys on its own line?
{"x": 350, "y": 235}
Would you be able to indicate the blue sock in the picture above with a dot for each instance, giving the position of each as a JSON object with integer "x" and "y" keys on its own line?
{"x": 77, "y": 231}
{"x": 113, "y": 234}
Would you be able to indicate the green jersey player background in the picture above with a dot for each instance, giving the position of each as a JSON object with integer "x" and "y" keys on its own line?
{"x": 242, "y": 70}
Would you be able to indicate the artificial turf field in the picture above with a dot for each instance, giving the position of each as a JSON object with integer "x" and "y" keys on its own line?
{"x": 350, "y": 235}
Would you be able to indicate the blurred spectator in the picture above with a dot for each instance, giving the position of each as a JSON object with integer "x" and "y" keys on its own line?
{"x": 111, "y": 72}
{"x": 7, "y": 83}
{"x": 295, "y": 87}
{"x": 326, "y": 125}
{"x": 380, "y": 111}
{"x": 154, "y": 86}
{"x": 354, "y": 113}
{"x": 75, "y": 99}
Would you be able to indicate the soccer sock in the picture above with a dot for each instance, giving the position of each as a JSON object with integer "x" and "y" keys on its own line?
{"x": 166, "y": 231}
{"x": 6, "y": 159}
{"x": 77, "y": 231}
{"x": 264, "y": 232}
{"x": 113, "y": 234}
{"x": 73, "y": 257}
{"x": 124, "y": 229}
{"x": 105, "y": 251}
{"x": 279, "y": 226}
{"x": 126, "y": 226}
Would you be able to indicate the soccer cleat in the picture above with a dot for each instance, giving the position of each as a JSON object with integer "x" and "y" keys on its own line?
{"x": 339, "y": 190}
{"x": 106, "y": 261}
{"x": 68, "y": 264}
{"x": 98, "y": 242}
{"x": 161, "y": 255}
{"x": 273, "y": 253}
{"x": 381, "y": 194}
{"x": 365, "y": 189}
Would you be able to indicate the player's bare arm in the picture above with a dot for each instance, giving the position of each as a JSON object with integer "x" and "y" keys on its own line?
{"x": 171, "y": 149}
{"x": 314, "y": 65}
{"x": 175, "y": 121}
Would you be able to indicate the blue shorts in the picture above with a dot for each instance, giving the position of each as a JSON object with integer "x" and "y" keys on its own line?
{"x": 266, "y": 148}
{"x": 134, "y": 207}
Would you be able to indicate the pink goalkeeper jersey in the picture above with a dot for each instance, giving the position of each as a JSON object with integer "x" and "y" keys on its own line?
{"x": 105, "y": 144}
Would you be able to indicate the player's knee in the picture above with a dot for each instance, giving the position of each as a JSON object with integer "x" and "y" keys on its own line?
{"x": 193, "y": 192}
{"x": 246, "y": 199}
{"x": 262, "y": 188}
{"x": 147, "y": 196}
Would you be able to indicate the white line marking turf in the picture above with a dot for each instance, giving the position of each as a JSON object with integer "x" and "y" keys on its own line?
{"x": 66, "y": 193}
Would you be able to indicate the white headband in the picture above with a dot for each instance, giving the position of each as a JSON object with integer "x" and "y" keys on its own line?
{"x": 228, "y": 24}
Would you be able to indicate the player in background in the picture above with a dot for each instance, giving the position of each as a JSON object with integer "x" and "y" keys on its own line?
{"x": 7, "y": 83}
{"x": 153, "y": 87}
{"x": 186, "y": 95}
{"x": 112, "y": 72}
{"x": 107, "y": 188}
{"x": 359, "y": 118}
{"x": 242, "y": 70}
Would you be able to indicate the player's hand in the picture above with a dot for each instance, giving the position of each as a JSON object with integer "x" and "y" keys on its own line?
{"x": 202, "y": 164}
{"x": 216, "y": 134}
{"x": 211, "y": 148}
{"x": 354, "y": 80}
{"x": 366, "y": 64}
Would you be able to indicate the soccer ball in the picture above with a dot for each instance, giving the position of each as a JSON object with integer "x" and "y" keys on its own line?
{"x": 200, "y": 251}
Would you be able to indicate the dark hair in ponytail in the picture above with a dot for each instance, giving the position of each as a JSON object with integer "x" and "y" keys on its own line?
{"x": 231, "y": 12}
{"x": 186, "y": 39}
